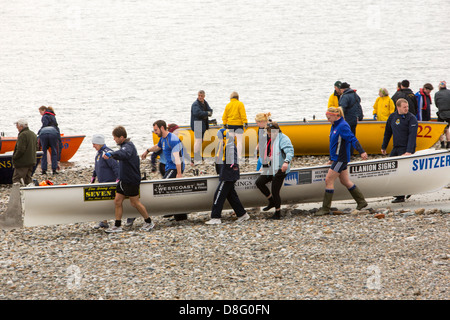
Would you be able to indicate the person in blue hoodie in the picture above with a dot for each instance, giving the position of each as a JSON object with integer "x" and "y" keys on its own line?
{"x": 129, "y": 180}
{"x": 277, "y": 156}
{"x": 341, "y": 141}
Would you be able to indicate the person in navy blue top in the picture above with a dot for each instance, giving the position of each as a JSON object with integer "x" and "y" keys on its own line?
{"x": 402, "y": 126}
{"x": 200, "y": 111}
{"x": 130, "y": 180}
{"x": 341, "y": 141}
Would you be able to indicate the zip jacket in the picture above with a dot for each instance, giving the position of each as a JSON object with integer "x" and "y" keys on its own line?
{"x": 341, "y": 141}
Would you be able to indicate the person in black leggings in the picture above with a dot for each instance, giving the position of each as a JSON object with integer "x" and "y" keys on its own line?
{"x": 278, "y": 153}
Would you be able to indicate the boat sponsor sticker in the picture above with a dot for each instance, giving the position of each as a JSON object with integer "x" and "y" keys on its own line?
{"x": 180, "y": 187}
{"x": 319, "y": 175}
{"x": 431, "y": 163}
{"x": 294, "y": 178}
{"x": 246, "y": 182}
{"x": 95, "y": 193}
{"x": 376, "y": 169}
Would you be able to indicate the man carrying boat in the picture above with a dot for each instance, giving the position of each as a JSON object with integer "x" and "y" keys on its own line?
{"x": 172, "y": 149}
{"x": 402, "y": 126}
{"x": 130, "y": 180}
{"x": 341, "y": 141}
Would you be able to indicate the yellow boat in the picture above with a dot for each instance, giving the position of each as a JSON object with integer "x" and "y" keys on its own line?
{"x": 312, "y": 137}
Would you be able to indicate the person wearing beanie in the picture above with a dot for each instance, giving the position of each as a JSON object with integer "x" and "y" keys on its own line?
{"x": 105, "y": 170}
{"x": 442, "y": 101}
{"x": 333, "y": 100}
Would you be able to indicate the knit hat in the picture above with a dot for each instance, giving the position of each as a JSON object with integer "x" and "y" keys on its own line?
{"x": 345, "y": 85}
{"x": 172, "y": 127}
{"x": 442, "y": 84}
{"x": 338, "y": 84}
{"x": 98, "y": 139}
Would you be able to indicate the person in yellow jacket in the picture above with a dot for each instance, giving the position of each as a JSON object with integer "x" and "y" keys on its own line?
{"x": 333, "y": 101}
{"x": 383, "y": 106}
{"x": 235, "y": 120}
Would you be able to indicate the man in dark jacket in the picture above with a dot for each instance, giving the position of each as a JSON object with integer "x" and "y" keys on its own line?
{"x": 406, "y": 93}
{"x": 130, "y": 180}
{"x": 24, "y": 156}
{"x": 200, "y": 111}
{"x": 228, "y": 169}
{"x": 350, "y": 102}
{"x": 402, "y": 125}
{"x": 442, "y": 100}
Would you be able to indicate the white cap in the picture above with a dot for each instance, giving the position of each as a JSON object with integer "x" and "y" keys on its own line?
{"x": 98, "y": 139}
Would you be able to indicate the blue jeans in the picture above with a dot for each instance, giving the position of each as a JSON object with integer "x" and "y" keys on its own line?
{"x": 49, "y": 140}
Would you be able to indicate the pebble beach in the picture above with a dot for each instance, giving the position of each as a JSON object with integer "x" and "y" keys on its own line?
{"x": 384, "y": 252}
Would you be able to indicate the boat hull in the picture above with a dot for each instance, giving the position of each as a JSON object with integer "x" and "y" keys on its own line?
{"x": 7, "y": 169}
{"x": 312, "y": 137}
{"x": 71, "y": 143}
{"x": 425, "y": 171}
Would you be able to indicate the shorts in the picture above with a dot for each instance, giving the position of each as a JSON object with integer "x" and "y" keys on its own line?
{"x": 129, "y": 190}
{"x": 339, "y": 166}
{"x": 236, "y": 129}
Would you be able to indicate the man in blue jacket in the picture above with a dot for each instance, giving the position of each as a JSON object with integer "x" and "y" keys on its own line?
{"x": 200, "y": 111}
{"x": 130, "y": 180}
{"x": 402, "y": 126}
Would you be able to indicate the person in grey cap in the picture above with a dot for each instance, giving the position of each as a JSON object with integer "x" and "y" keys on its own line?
{"x": 105, "y": 170}
{"x": 24, "y": 155}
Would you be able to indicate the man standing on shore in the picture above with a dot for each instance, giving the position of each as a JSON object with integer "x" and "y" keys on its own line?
{"x": 442, "y": 100}
{"x": 200, "y": 111}
{"x": 406, "y": 93}
{"x": 24, "y": 156}
{"x": 402, "y": 125}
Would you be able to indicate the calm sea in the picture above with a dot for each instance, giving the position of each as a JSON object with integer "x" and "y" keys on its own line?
{"x": 101, "y": 63}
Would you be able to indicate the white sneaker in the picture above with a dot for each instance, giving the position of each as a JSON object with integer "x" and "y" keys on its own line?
{"x": 147, "y": 226}
{"x": 114, "y": 229}
{"x": 243, "y": 218}
{"x": 214, "y": 221}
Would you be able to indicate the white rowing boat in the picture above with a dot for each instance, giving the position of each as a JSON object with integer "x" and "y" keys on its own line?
{"x": 425, "y": 171}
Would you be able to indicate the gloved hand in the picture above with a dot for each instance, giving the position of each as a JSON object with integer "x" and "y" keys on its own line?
{"x": 209, "y": 113}
{"x": 375, "y": 116}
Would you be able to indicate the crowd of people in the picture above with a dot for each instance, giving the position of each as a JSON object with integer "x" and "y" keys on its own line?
{"x": 274, "y": 149}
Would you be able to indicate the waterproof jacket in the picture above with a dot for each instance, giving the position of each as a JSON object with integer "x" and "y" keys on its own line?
{"x": 333, "y": 100}
{"x": 105, "y": 170}
{"x": 49, "y": 120}
{"x": 229, "y": 169}
{"x": 282, "y": 149}
{"x": 383, "y": 107}
{"x": 408, "y": 94}
{"x": 234, "y": 114}
{"x": 403, "y": 128}
{"x": 442, "y": 100}
{"x": 129, "y": 163}
{"x": 350, "y": 103}
{"x": 199, "y": 112}
{"x": 25, "y": 149}
{"x": 423, "y": 106}
{"x": 341, "y": 141}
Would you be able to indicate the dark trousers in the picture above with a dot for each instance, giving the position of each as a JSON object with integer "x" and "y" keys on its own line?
{"x": 49, "y": 141}
{"x": 225, "y": 191}
{"x": 398, "y": 151}
{"x": 277, "y": 183}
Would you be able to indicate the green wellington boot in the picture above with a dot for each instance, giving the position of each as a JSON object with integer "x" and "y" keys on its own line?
{"x": 326, "y": 204}
{"x": 359, "y": 198}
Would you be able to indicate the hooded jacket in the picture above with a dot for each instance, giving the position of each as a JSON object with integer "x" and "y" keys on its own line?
{"x": 442, "y": 100}
{"x": 423, "y": 106}
{"x": 383, "y": 107}
{"x": 408, "y": 94}
{"x": 234, "y": 114}
{"x": 350, "y": 103}
{"x": 129, "y": 164}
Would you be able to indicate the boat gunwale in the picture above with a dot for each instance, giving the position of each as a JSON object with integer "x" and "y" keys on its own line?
{"x": 418, "y": 154}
